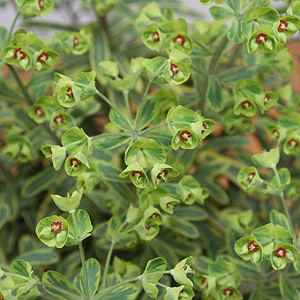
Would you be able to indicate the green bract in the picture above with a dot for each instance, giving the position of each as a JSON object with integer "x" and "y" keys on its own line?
{"x": 44, "y": 58}
{"x": 179, "y": 293}
{"x": 261, "y": 40}
{"x": 285, "y": 27}
{"x": 18, "y": 148}
{"x": 249, "y": 248}
{"x": 31, "y": 8}
{"x": 76, "y": 164}
{"x": 249, "y": 179}
{"x": 283, "y": 254}
{"x": 18, "y": 56}
{"x": 162, "y": 171}
{"x": 267, "y": 159}
{"x": 136, "y": 174}
{"x": 180, "y": 41}
{"x": 69, "y": 203}
{"x": 53, "y": 231}
{"x": 181, "y": 271}
{"x": 153, "y": 38}
{"x": 167, "y": 203}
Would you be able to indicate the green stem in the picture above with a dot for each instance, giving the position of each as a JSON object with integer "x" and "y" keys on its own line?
{"x": 210, "y": 71}
{"x": 128, "y": 106}
{"x": 108, "y": 258}
{"x": 112, "y": 134}
{"x": 112, "y": 105}
{"x": 203, "y": 46}
{"x": 147, "y": 90}
{"x": 50, "y": 25}
{"x": 13, "y": 25}
{"x": 154, "y": 127}
{"x": 85, "y": 272}
{"x": 286, "y": 211}
{"x": 158, "y": 283}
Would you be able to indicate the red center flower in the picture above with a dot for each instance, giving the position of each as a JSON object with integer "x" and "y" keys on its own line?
{"x": 204, "y": 282}
{"x": 246, "y": 104}
{"x": 252, "y": 247}
{"x": 44, "y": 56}
{"x": 75, "y": 41}
{"x": 58, "y": 119}
{"x": 141, "y": 174}
{"x": 280, "y": 252}
{"x": 154, "y": 215}
{"x": 228, "y": 292}
{"x": 164, "y": 173}
{"x": 69, "y": 93}
{"x": 41, "y": 4}
{"x": 147, "y": 226}
{"x": 56, "y": 227}
{"x": 75, "y": 162}
{"x": 251, "y": 176}
{"x": 283, "y": 23}
{"x": 184, "y": 135}
{"x": 293, "y": 143}
{"x": 260, "y": 37}
{"x": 179, "y": 38}
{"x": 23, "y": 54}
{"x": 174, "y": 69}
{"x": 38, "y": 111}
{"x": 155, "y": 36}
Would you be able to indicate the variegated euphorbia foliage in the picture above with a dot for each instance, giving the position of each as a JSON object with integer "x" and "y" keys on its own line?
{"x": 134, "y": 122}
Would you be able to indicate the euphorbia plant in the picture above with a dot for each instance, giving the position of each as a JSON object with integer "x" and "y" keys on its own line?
{"x": 135, "y": 125}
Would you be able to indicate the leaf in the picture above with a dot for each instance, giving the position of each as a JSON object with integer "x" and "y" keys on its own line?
{"x": 4, "y": 214}
{"x": 110, "y": 142}
{"x": 214, "y": 94}
{"x": 40, "y": 257}
{"x": 116, "y": 119}
{"x": 127, "y": 291}
{"x": 235, "y": 33}
{"x": 181, "y": 226}
{"x": 287, "y": 290}
{"x": 99, "y": 50}
{"x": 145, "y": 114}
{"x": 278, "y": 218}
{"x": 21, "y": 268}
{"x": 66, "y": 291}
{"x": 191, "y": 213}
{"x": 163, "y": 138}
{"x": 93, "y": 274}
{"x": 7, "y": 92}
{"x": 266, "y": 14}
{"x": 221, "y": 13}
{"x": 39, "y": 182}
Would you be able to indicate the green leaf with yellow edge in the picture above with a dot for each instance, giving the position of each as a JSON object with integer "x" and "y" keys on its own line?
{"x": 287, "y": 290}
{"x": 127, "y": 291}
{"x": 111, "y": 141}
{"x": 4, "y": 214}
{"x": 278, "y": 218}
{"x": 214, "y": 94}
{"x": 64, "y": 289}
{"x": 93, "y": 273}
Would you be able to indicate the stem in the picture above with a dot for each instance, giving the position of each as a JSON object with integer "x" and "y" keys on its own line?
{"x": 203, "y": 46}
{"x": 128, "y": 106}
{"x": 85, "y": 273}
{"x": 154, "y": 127}
{"x": 108, "y": 258}
{"x": 112, "y": 105}
{"x": 13, "y": 25}
{"x": 112, "y": 134}
{"x": 147, "y": 90}
{"x": 211, "y": 70}
{"x": 286, "y": 211}
{"x": 158, "y": 283}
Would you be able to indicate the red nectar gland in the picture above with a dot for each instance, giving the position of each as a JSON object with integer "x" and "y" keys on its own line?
{"x": 276, "y": 133}
{"x": 69, "y": 93}
{"x": 261, "y": 37}
{"x": 58, "y": 119}
{"x": 154, "y": 215}
{"x": 164, "y": 173}
{"x": 39, "y": 112}
{"x": 184, "y": 135}
{"x": 75, "y": 162}
{"x": 44, "y": 56}
{"x": 155, "y": 36}
{"x": 266, "y": 99}
{"x": 174, "y": 69}
{"x": 280, "y": 252}
{"x": 204, "y": 127}
{"x": 41, "y": 4}
{"x": 251, "y": 176}
{"x": 56, "y": 227}
{"x": 283, "y": 26}
{"x": 141, "y": 174}
{"x": 228, "y": 292}
{"x": 293, "y": 143}
{"x": 168, "y": 204}
{"x": 204, "y": 282}
{"x": 179, "y": 38}
{"x": 23, "y": 54}
{"x": 252, "y": 247}
{"x": 75, "y": 41}
{"x": 246, "y": 104}
{"x": 147, "y": 226}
